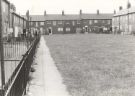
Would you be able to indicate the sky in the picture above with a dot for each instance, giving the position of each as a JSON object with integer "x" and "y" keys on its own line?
{"x": 37, "y": 7}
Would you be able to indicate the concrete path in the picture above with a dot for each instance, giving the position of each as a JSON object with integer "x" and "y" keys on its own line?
{"x": 47, "y": 79}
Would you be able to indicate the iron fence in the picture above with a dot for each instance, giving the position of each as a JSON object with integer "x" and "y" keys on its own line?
{"x": 18, "y": 57}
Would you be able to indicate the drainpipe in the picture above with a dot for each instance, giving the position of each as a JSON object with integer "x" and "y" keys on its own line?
{"x": 2, "y": 51}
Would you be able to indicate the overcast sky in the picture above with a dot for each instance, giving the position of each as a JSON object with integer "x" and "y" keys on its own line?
{"x": 69, "y": 6}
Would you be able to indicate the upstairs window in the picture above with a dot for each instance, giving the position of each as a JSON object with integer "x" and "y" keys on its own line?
{"x": 36, "y": 24}
{"x": 67, "y": 23}
{"x": 90, "y": 22}
{"x": 48, "y": 22}
{"x": 54, "y": 23}
{"x": 73, "y": 22}
{"x": 78, "y": 22}
{"x": 109, "y": 22}
{"x": 59, "y": 22}
{"x": 42, "y": 23}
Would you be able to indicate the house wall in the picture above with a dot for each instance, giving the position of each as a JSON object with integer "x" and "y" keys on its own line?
{"x": 57, "y": 26}
{"x": 6, "y": 19}
{"x": 116, "y": 24}
{"x": 71, "y": 26}
{"x": 124, "y": 24}
{"x": 94, "y": 24}
{"x": 18, "y": 24}
{"x": 67, "y": 26}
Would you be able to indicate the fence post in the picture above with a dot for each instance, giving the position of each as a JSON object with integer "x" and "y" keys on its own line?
{"x": 2, "y": 49}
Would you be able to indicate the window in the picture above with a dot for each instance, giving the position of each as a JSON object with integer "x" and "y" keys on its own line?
{"x": 41, "y": 23}
{"x": 48, "y": 22}
{"x": 60, "y": 29}
{"x": 78, "y": 22}
{"x": 109, "y": 22}
{"x": 67, "y": 29}
{"x": 67, "y": 23}
{"x": 59, "y": 22}
{"x": 73, "y": 22}
{"x": 90, "y": 22}
{"x": 31, "y": 23}
{"x": 36, "y": 24}
{"x": 95, "y": 21}
{"x": 54, "y": 23}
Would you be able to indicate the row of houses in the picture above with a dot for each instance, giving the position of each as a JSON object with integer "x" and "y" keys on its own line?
{"x": 123, "y": 22}
{"x": 13, "y": 23}
{"x": 71, "y": 23}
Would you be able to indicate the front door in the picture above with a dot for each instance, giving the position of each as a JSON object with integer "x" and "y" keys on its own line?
{"x": 50, "y": 30}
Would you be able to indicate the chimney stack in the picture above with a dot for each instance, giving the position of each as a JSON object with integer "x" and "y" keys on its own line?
{"x": 114, "y": 11}
{"x": 45, "y": 13}
{"x": 80, "y": 12}
{"x": 98, "y": 12}
{"x": 63, "y": 13}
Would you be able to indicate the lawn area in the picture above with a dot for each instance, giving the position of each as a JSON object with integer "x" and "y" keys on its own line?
{"x": 95, "y": 64}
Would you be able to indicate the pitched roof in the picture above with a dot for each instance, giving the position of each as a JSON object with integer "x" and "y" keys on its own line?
{"x": 38, "y": 17}
{"x": 125, "y": 11}
{"x": 70, "y": 17}
{"x": 62, "y": 17}
{"x": 97, "y": 16}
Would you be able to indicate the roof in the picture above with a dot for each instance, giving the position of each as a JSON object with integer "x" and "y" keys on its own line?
{"x": 54, "y": 17}
{"x": 70, "y": 17}
{"x": 62, "y": 17}
{"x": 97, "y": 16}
{"x": 6, "y": 1}
{"x": 125, "y": 11}
{"x": 37, "y": 17}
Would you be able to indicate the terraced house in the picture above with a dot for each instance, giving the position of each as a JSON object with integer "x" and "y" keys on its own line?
{"x": 124, "y": 21}
{"x": 6, "y": 16}
{"x": 71, "y": 23}
{"x": 13, "y": 23}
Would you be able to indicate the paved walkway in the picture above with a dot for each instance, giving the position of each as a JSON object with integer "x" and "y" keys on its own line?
{"x": 47, "y": 79}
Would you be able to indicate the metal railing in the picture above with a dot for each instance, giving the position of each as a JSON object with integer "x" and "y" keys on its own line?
{"x": 18, "y": 57}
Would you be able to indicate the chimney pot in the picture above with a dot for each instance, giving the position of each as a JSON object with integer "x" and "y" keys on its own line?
{"x": 80, "y": 12}
{"x": 114, "y": 11}
{"x": 98, "y": 12}
{"x": 63, "y": 13}
{"x": 45, "y": 13}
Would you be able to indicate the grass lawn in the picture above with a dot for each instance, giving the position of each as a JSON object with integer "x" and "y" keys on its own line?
{"x": 95, "y": 64}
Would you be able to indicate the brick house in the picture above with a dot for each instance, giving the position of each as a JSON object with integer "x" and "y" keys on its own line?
{"x": 12, "y": 22}
{"x": 6, "y": 16}
{"x": 18, "y": 24}
{"x": 70, "y": 23}
{"x": 96, "y": 22}
{"x": 124, "y": 21}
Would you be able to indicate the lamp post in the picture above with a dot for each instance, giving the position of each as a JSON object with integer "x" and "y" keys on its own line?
{"x": 2, "y": 51}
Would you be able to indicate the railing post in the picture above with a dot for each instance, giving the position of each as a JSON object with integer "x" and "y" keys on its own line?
{"x": 2, "y": 49}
